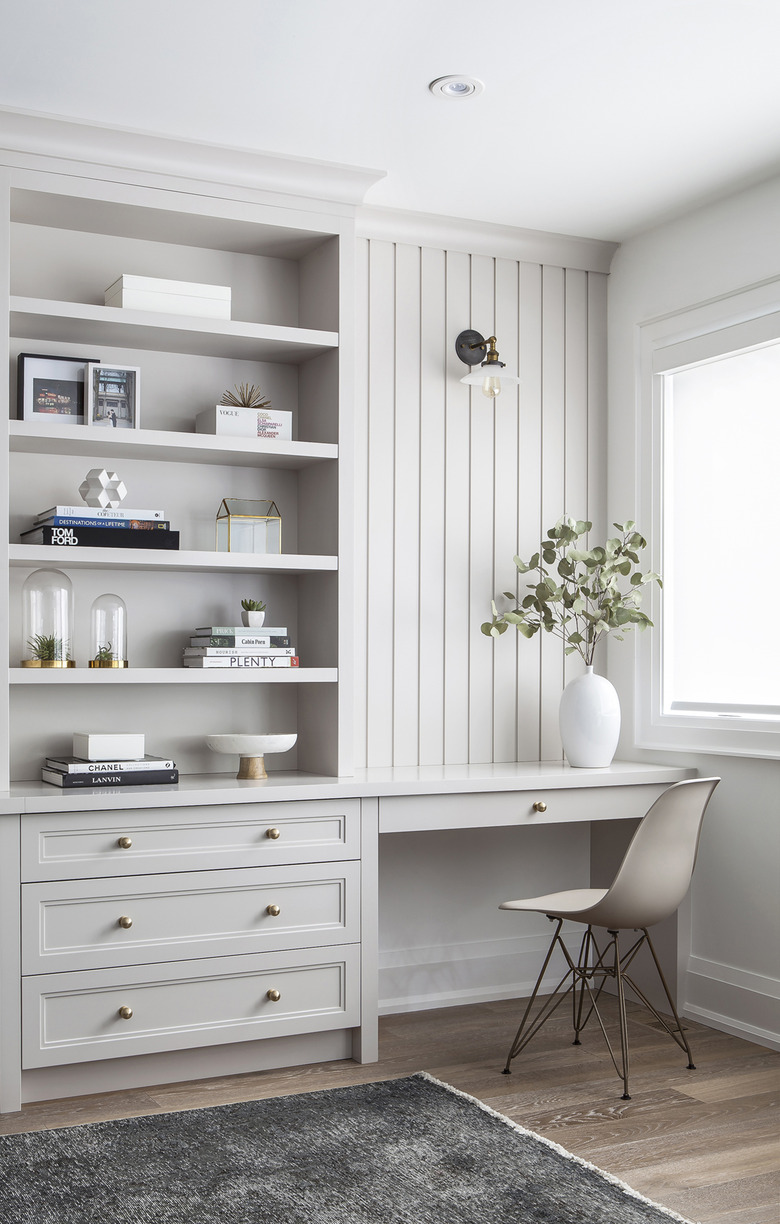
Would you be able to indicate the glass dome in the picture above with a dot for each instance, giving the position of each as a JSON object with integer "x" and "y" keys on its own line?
{"x": 47, "y": 619}
{"x": 108, "y": 632}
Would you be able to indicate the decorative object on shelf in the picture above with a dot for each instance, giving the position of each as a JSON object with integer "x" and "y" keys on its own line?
{"x": 245, "y": 423}
{"x": 47, "y": 617}
{"x": 252, "y": 613}
{"x": 113, "y": 395}
{"x": 247, "y": 395}
{"x": 471, "y": 347}
{"x": 109, "y": 745}
{"x": 169, "y": 296}
{"x": 251, "y": 750}
{"x": 51, "y": 388}
{"x": 580, "y": 604}
{"x": 108, "y": 632}
{"x": 102, "y": 489}
{"x": 248, "y": 526}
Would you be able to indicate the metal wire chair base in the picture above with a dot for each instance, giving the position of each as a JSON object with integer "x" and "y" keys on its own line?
{"x": 594, "y": 965}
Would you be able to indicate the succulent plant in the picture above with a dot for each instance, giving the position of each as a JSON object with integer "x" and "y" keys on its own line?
{"x": 104, "y": 654}
{"x": 253, "y": 605}
{"x": 247, "y": 396}
{"x": 46, "y": 647}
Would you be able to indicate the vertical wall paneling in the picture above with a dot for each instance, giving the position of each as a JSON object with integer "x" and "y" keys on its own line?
{"x": 457, "y": 473}
{"x": 5, "y": 281}
{"x": 451, "y": 486}
{"x": 381, "y": 505}
{"x": 506, "y": 468}
{"x": 434, "y": 361}
{"x": 553, "y": 481}
{"x": 482, "y": 489}
{"x": 406, "y": 663}
{"x": 529, "y": 501}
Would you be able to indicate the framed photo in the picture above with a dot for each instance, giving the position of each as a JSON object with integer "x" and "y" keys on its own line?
{"x": 51, "y": 388}
{"x": 113, "y": 395}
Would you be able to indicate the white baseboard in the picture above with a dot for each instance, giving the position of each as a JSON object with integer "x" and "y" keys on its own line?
{"x": 733, "y": 1000}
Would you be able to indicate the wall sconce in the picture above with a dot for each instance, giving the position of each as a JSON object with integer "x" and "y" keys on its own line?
{"x": 471, "y": 347}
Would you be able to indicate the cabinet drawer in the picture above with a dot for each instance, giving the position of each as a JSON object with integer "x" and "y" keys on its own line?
{"x": 72, "y": 1018}
{"x": 76, "y": 924}
{"x": 89, "y": 844}
{"x": 545, "y": 805}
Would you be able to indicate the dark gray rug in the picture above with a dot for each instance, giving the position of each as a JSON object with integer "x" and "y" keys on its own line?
{"x": 410, "y": 1151}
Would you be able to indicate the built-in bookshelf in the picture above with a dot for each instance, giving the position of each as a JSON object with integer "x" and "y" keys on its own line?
{"x": 289, "y": 270}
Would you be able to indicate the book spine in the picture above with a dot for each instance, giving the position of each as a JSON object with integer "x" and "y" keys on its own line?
{"x": 236, "y": 652}
{"x": 98, "y": 537}
{"x": 98, "y": 512}
{"x": 244, "y": 661}
{"x": 239, "y": 631}
{"x": 241, "y": 641}
{"x": 96, "y": 767}
{"x": 61, "y": 520}
{"x": 121, "y": 777}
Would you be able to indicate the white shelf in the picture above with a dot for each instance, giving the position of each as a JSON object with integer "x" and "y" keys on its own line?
{"x": 76, "y": 557}
{"x": 90, "y": 326}
{"x": 172, "y": 675}
{"x": 42, "y": 438}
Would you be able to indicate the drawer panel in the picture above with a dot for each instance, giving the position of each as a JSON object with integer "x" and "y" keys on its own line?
{"x": 76, "y": 924}
{"x": 413, "y": 813}
{"x": 89, "y": 844}
{"x": 73, "y": 1018}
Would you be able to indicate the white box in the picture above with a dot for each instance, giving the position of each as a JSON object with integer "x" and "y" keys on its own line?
{"x": 245, "y": 423}
{"x": 108, "y": 747}
{"x": 170, "y": 296}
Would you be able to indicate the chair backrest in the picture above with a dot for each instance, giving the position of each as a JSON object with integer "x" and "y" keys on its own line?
{"x": 656, "y": 870}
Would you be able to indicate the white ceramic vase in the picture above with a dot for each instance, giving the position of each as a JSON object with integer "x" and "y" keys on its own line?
{"x": 252, "y": 620}
{"x": 589, "y": 720}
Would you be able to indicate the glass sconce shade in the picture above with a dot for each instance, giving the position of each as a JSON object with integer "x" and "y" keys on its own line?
{"x": 248, "y": 526}
{"x": 47, "y": 619}
{"x": 108, "y": 632}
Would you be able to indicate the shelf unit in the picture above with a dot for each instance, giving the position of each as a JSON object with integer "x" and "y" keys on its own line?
{"x": 290, "y": 272}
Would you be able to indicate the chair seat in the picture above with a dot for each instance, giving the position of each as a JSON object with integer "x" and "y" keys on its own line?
{"x": 574, "y": 903}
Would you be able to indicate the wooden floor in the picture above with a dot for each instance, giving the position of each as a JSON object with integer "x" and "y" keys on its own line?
{"x": 704, "y": 1143}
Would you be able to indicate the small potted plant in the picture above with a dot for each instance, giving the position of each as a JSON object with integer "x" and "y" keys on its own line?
{"x": 253, "y": 613}
{"x": 247, "y": 395}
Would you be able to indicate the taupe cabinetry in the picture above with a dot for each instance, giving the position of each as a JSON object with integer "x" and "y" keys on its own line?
{"x": 118, "y": 959}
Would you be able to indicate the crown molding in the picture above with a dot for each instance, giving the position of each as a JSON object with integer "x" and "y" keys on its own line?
{"x": 79, "y": 143}
{"x": 484, "y": 238}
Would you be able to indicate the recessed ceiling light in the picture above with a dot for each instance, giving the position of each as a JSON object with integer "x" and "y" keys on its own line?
{"x": 456, "y": 86}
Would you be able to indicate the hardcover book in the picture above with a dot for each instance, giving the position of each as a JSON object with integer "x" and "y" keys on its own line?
{"x": 236, "y": 652}
{"x": 80, "y": 765}
{"x": 101, "y": 537}
{"x": 260, "y": 641}
{"x": 250, "y": 660}
{"x": 61, "y": 520}
{"x": 97, "y": 512}
{"x": 120, "y": 777}
{"x": 240, "y": 630}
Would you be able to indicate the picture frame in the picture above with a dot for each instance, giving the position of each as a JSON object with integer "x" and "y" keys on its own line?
{"x": 113, "y": 395}
{"x": 51, "y": 388}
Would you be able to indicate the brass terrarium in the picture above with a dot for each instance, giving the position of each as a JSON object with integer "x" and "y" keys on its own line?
{"x": 108, "y": 632}
{"x": 248, "y": 526}
{"x": 47, "y": 619}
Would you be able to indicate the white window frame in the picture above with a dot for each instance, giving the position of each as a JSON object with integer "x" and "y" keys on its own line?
{"x": 739, "y": 321}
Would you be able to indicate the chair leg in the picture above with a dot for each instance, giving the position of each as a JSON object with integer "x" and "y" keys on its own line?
{"x": 523, "y": 1035}
{"x": 624, "y": 1057}
{"x": 677, "y": 1033}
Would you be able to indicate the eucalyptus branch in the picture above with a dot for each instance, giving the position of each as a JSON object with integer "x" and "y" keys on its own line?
{"x": 578, "y": 595}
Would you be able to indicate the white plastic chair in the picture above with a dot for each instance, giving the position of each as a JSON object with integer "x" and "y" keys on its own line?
{"x": 650, "y": 884}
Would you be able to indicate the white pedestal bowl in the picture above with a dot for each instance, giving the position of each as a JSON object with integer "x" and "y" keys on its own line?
{"x": 251, "y": 749}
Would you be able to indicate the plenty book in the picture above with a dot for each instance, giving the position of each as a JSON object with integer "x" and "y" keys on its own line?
{"x": 80, "y": 765}
{"x": 243, "y": 660}
{"x": 118, "y": 777}
{"x": 101, "y": 537}
{"x": 98, "y": 512}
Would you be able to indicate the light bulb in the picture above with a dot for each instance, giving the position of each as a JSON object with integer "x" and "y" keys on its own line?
{"x": 491, "y": 387}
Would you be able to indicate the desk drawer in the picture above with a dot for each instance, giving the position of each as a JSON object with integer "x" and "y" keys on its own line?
{"x": 415, "y": 813}
{"x": 89, "y": 844}
{"x": 76, "y": 925}
{"x": 73, "y": 1018}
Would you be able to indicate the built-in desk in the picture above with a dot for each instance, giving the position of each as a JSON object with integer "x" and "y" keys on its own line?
{"x": 217, "y": 926}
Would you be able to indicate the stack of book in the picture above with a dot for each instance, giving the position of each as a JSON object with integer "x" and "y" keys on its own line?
{"x": 94, "y": 765}
{"x": 234, "y": 646}
{"x": 91, "y": 527}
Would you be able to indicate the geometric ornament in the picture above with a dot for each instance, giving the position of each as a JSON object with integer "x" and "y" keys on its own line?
{"x": 103, "y": 489}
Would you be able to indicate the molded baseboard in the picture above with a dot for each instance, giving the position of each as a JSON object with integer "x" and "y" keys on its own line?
{"x": 737, "y": 1002}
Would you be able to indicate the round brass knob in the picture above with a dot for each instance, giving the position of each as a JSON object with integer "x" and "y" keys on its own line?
{"x": 273, "y": 995}
{"x": 273, "y": 834}
{"x": 126, "y": 1013}
{"x": 125, "y": 922}
{"x": 540, "y": 806}
{"x": 273, "y": 910}
{"x": 125, "y": 843}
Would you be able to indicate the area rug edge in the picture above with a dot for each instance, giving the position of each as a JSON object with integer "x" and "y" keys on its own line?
{"x": 556, "y": 1147}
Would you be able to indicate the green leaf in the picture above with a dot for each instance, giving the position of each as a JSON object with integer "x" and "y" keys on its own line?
{"x": 527, "y": 631}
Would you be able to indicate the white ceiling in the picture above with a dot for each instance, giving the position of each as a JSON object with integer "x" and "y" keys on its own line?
{"x": 599, "y": 118}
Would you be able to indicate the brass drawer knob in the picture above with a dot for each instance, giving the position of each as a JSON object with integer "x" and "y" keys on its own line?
{"x": 273, "y": 910}
{"x": 540, "y": 806}
{"x": 124, "y": 843}
{"x": 125, "y": 922}
{"x": 125, "y": 1013}
{"x": 273, "y": 834}
{"x": 273, "y": 995}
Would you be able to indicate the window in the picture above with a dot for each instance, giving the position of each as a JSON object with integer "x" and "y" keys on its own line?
{"x": 709, "y": 675}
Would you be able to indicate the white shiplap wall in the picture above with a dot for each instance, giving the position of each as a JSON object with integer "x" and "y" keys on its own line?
{"x": 451, "y": 486}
